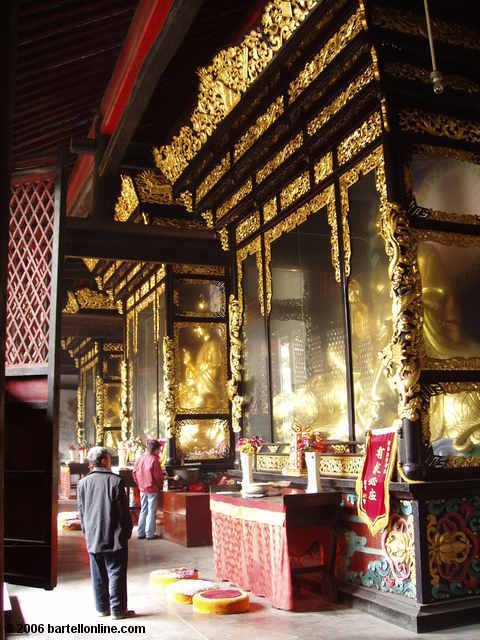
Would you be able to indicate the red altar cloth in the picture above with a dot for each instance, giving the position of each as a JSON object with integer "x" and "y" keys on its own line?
{"x": 255, "y": 549}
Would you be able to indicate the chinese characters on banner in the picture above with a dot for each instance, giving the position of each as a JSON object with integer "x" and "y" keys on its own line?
{"x": 372, "y": 485}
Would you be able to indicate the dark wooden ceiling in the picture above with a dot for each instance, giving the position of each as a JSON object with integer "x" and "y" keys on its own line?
{"x": 66, "y": 53}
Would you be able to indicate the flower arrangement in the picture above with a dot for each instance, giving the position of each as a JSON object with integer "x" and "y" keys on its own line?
{"x": 131, "y": 447}
{"x": 249, "y": 445}
{"x": 312, "y": 443}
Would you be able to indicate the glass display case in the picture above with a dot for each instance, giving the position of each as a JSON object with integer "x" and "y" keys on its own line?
{"x": 307, "y": 342}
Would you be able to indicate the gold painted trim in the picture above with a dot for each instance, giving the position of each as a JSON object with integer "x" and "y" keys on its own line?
{"x": 254, "y": 247}
{"x": 269, "y": 210}
{"x": 324, "y": 199}
{"x": 274, "y": 463}
{"x": 262, "y": 123}
{"x": 235, "y": 320}
{"x": 127, "y": 201}
{"x": 198, "y": 269}
{"x": 411, "y": 72}
{"x": 456, "y": 218}
{"x": 223, "y": 235}
{"x": 295, "y": 190}
{"x": 169, "y": 385}
{"x": 323, "y": 167}
{"x": 340, "y": 465}
{"x": 211, "y": 179}
{"x": 99, "y": 408}
{"x": 451, "y": 364}
{"x": 446, "y": 238}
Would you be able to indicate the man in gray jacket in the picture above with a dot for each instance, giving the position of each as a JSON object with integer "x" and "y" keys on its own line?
{"x": 107, "y": 526}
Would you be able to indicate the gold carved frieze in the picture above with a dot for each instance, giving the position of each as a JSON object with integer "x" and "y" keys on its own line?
{"x": 186, "y": 199}
{"x": 235, "y": 319}
{"x": 153, "y": 188}
{"x": 71, "y": 305}
{"x": 295, "y": 190}
{"x": 327, "y": 113}
{"x": 86, "y": 298}
{"x": 327, "y": 54}
{"x": 169, "y": 384}
{"x": 369, "y": 131}
{"x": 373, "y": 162}
{"x": 413, "y": 24}
{"x": 239, "y": 195}
{"x": 462, "y": 462}
{"x": 447, "y": 238}
{"x": 127, "y": 201}
{"x": 289, "y": 149}
{"x": 340, "y": 465}
{"x": 276, "y": 463}
{"x": 208, "y": 217}
{"x": 323, "y": 167}
{"x": 231, "y": 72}
{"x": 247, "y": 227}
{"x": 269, "y": 210}
{"x": 113, "y": 347}
{"x": 198, "y": 269}
{"x": 402, "y": 357}
{"x": 211, "y": 179}
{"x": 124, "y": 404}
{"x": 99, "y": 408}
{"x": 416, "y": 120}
{"x": 223, "y": 235}
{"x": 254, "y": 247}
{"x": 411, "y": 72}
{"x": 90, "y": 263}
{"x": 324, "y": 199}
{"x": 262, "y": 123}
{"x": 447, "y": 216}
{"x": 451, "y": 364}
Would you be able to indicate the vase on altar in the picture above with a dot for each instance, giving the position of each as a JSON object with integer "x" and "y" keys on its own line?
{"x": 122, "y": 457}
{"x": 71, "y": 453}
{"x": 246, "y": 463}
{"x": 312, "y": 461}
{"x": 81, "y": 455}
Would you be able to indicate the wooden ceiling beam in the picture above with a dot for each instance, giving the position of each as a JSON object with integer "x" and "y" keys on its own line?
{"x": 128, "y": 241}
{"x": 24, "y": 128}
{"x": 62, "y": 133}
{"x": 38, "y": 29}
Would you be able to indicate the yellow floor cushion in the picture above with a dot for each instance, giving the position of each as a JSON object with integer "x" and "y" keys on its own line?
{"x": 184, "y": 590}
{"x": 163, "y": 577}
{"x": 221, "y": 601}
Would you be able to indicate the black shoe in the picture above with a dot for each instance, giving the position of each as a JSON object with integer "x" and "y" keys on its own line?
{"x": 140, "y": 537}
{"x": 155, "y": 537}
{"x": 120, "y": 615}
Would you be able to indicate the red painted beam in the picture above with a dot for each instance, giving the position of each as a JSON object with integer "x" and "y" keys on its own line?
{"x": 146, "y": 25}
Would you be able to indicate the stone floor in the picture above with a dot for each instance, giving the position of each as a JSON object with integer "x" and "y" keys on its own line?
{"x": 71, "y": 603}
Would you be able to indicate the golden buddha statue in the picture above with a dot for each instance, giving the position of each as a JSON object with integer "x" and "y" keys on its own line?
{"x": 453, "y": 416}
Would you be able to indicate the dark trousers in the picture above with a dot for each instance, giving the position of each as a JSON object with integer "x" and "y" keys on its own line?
{"x": 109, "y": 578}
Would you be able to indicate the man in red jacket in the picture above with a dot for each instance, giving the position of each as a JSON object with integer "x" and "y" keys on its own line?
{"x": 147, "y": 473}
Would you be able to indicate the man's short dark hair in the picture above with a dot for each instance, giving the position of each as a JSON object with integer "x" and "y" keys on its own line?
{"x": 96, "y": 455}
{"x": 152, "y": 446}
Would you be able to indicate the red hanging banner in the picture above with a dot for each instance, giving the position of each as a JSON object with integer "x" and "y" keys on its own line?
{"x": 373, "y": 482}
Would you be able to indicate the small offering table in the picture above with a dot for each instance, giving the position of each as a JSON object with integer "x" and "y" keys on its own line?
{"x": 269, "y": 545}
{"x": 186, "y": 518}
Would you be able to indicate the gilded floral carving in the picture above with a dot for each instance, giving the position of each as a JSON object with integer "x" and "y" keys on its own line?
{"x": 127, "y": 201}
{"x": 247, "y": 227}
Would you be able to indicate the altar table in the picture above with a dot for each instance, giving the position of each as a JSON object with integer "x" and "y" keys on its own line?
{"x": 271, "y": 545}
{"x": 186, "y": 518}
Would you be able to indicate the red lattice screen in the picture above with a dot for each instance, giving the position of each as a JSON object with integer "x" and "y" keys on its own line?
{"x": 29, "y": 272}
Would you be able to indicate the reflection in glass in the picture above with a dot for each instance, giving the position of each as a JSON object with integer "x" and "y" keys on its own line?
{"x": 199, "y": 298}
{"x": 145, "y": 376}
{"x": 306, "y": 334}
{"x": 256, "y": 416}
{"x": 200, "y": 439}
{"x": 111, "y": 406}
{"x": 455, "y": 423}
{"x": 451, "y": 309}
{"x": 370, "y": 310}
{"x": 90, "y": 412}
{"x": 201, "y": 368}
{"x": 446, "y": 184}
{"x": 162, "y": 332}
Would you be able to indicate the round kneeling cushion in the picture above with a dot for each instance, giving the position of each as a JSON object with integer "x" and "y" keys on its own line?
{"x": 184, "y": 590}
{"x": 221, "y": 601}
{"x": 163, "y": 577}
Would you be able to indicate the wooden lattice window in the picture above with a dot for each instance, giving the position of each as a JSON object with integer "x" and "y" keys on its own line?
{"x": 29, "y": 272}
